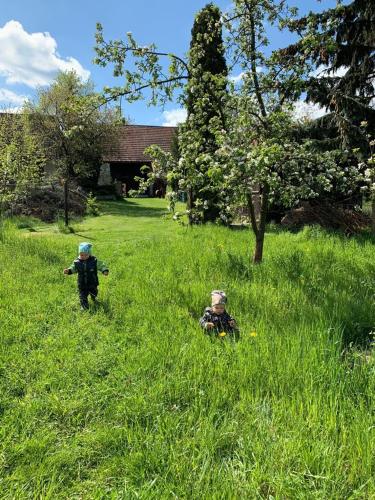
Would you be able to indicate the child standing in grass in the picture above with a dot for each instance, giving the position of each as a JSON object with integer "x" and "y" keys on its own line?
{"x": 87, "y": 267}
{"x": 216, "y": 320}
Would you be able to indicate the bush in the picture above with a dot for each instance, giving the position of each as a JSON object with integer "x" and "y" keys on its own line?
{"x": 92, "y": 207}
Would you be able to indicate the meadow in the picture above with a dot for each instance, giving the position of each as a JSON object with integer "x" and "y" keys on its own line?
{"x": 132, "y": 400}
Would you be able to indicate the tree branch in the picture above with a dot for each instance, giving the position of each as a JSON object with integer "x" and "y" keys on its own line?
{"x": 142, "y": 51}
{"x": 253, "y": 62}
{"x": 253, "y": 221}
{"x": 142, "y": 87}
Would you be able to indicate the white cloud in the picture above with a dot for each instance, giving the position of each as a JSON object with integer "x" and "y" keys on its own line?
{"x": 322, "y": 71}
{"x": 302, "y": 109}
{"x": 32, "y": 58}
{"x": 11, "y": 109}
{"x": 10, "y": 98}
{"x": 173, "y": 117}
{"x": 237, "y": 78}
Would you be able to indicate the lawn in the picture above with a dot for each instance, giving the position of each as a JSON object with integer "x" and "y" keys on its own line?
{"x": 132, "y": 400}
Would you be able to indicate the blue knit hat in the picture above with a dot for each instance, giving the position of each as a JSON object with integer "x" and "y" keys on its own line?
{"x": 85, "y": 247}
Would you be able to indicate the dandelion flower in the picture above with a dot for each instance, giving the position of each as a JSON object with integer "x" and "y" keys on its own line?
{"x": 222, "y": 334}
{"x": 253, "y": 334}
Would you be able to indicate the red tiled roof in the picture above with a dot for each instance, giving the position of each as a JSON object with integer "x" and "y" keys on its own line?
{"x": 134, "y": 139}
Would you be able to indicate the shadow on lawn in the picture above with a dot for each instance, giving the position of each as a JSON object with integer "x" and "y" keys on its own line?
{"x": 131, "y": 209}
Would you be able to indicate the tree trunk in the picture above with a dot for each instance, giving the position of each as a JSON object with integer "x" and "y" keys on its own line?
{"x": 66, "y": 203}
{"x": 190, "y": 205}
{"x": 258, "y": 252}
{"x": 373, "y": 214}
{"x": 261, "y": 228}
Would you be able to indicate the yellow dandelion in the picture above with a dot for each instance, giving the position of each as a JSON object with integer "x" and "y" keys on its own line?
{"x": 222, "y": 334}
{"x": 253, "y": 334}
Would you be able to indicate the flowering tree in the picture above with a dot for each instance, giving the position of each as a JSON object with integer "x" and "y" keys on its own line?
{"x": 277, "y": 167}
{"x": 336, "y": 50}
{"x": 367, "y": 166}
{"x": 259, "y": 146}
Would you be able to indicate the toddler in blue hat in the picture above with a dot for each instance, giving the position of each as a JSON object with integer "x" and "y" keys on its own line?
{"x": 86, "y": 266}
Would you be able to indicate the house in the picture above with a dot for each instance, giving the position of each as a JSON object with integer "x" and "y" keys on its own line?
{"x": 123, "y": 160}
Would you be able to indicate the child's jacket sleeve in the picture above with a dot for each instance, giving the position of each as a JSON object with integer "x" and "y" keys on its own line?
{"x": 227, "y": 318}
{"x": 206, "y": 318}
{"x": 102, "y": 267}
{"x": 72, "y": 268}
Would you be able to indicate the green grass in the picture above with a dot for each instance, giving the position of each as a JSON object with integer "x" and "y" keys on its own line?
{"x": 131, "y": 400}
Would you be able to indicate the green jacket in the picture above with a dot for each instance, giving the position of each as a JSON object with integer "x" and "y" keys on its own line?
{"x": 87, "y": 271}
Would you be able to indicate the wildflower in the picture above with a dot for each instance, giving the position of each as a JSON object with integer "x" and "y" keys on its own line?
{"x": 222, "y": 334}
{"x": 253, "y": 334}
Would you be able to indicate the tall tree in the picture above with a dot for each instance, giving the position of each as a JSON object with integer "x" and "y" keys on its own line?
{"x": 206, "y": 96}
{"x": 260, "y": 149}
{"x": 68, "y": 120}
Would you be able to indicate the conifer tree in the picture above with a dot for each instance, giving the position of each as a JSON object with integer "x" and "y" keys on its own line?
{"x": 206, "y": 94}
{"x": 338, "y": 45}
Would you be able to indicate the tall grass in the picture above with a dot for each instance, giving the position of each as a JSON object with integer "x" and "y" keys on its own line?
{"x": 131, "y": 400}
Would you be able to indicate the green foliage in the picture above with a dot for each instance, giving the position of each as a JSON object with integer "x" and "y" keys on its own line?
{"x": 21, "y": 160}
{"x": 133, "y": 400}
{"x": 92, "y": 207}
{"x": 337, "y": 40}
{"x": 74, "y": 128}
{"x": 205, "y": 99}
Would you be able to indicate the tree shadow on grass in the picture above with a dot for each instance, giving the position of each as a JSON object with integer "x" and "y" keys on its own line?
{"x": 131, "y": 208}
{"x": 87, "y": 236}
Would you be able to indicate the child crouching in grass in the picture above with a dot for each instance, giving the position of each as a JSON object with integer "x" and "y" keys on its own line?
{"x": 216, "y": 321}
{"x": 87, "y": 267}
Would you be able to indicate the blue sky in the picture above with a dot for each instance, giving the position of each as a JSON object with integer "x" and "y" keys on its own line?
{"x": 40, "y": 37}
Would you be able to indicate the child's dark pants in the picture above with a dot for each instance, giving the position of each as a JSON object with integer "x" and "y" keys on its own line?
{"x": 84, "y": 293}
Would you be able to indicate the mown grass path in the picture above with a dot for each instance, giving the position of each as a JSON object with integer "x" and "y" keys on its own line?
{"x": 131, "y": 400}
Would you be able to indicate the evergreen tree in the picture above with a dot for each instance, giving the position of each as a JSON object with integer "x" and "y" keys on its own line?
{"x": 338, "y": 46}
{"x": 206, "y": 94}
